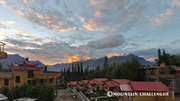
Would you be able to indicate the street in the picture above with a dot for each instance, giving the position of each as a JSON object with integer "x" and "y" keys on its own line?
{"x": 64, "y": 95}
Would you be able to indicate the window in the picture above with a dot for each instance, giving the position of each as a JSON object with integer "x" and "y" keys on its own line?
{"x": 17, "y": 79}
{"x": 6, "y": 82}
{"x": 30, "y": 74}
{"x": 50, "y": 80}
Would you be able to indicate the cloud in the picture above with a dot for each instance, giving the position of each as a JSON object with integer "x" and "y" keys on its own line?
{"x": 2, "y": 2}
{"x": 151, "y": 59}
{"x": 97, "y": 14}
{"x": 106, "y": 15}
{"x": 92, "y": 25}
{"x": 46, "y": 13}
{"x": 147, "y": 53}
{"x": 49, "y": 50}
{"x": 164, "y": 17}
{"x": 25, "y": 2}
{"x": 112, "y": 54}
{"x": 22, "y": 39}
{"x": 109, "y": 41}
{"x": 175, "y": 3}
{"x": 4, "y": 24}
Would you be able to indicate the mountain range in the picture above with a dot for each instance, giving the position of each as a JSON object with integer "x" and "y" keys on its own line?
{"x": 92, "y": 63}
{"x": 17, "y": 58}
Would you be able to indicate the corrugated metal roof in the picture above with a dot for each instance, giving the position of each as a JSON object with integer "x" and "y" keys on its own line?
{"x": 125, "y": 87}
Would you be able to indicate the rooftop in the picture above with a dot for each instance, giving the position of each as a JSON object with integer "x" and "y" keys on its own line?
{"x": 121, "y": 81}
{"x": 85, "y": 81}
{"x": 101, "y": 80}
{"x": 148, "y": 86}
{"x": 74, "y": 83}
{"x": 110, "y": 84}
{"x": 26, "y": 66}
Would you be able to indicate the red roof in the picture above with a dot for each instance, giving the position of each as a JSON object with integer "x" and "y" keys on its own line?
{"x": 68, "y": 83}
{"x": 85, "y": 81}
{"x": 80, "y": 83}
{"x": 25, "y": 65}
{"x": 92, "y": 82}
{"x": 110, "y": 84}
{"x": 15, "y": 68}
{"x": 121, "y": 81}
{"x": 148, "y": 86}
{"x": 101, "y": 80}
{"x": 74, "y": 83}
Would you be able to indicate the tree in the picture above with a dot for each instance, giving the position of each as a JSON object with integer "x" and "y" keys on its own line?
{"x": 114, "y": 64}
{"x": 164, "y": 58}
{"x": 72, "y": 72}
{"x": 105, "y": 62}
{"x": 64, "y": 75}
{"x": 98, "y": 67}
{"x": 159, "y": 57}
{"x": 129, "y": 70}
{"x": 86, "y": 71}
{"x": 5, "y": 91}
{"x": 42, "y": 93}
{"x": 82, "y": 70}
{"x": 78, "y": 72}
{"x": 116, "y": 72}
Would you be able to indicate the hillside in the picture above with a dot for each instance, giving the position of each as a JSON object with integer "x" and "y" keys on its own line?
{"x": 92, "y": 63}
{"x": 16, "y": 58}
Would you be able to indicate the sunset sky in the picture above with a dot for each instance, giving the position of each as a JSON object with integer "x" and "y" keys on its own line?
{"x": 62, "y": 31}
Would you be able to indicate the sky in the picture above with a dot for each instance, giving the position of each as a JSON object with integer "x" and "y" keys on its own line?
{"x": 65, "y": 31}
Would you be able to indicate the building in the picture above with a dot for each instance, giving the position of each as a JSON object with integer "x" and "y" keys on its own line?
{"x": 98, "y": 83}
{"x": 80, "y": 84}
{"x": 113, "y": 85}
{"x": 110, "y": 86}
{"x": 73, "y": 84}
{"x": 128, "y": 86}
{"x": 145, "y": 91}
{"x": 92, "y": 85}
{"x": 168, "y": 75}
{"x": 85, "y": 82}
{"x": 27, "y": 73}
